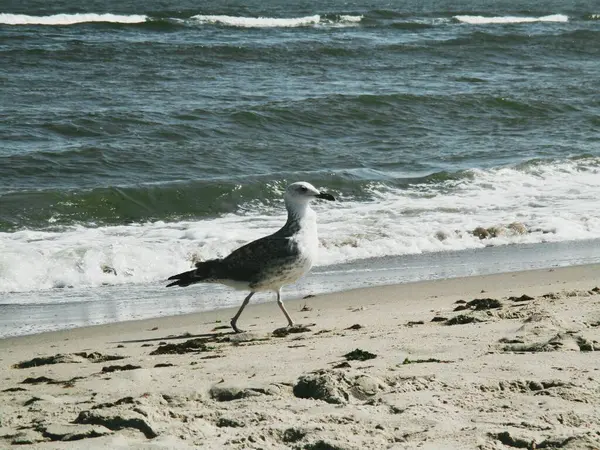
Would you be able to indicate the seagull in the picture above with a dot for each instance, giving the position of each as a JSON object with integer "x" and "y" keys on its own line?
{"x": 271, "y": 262}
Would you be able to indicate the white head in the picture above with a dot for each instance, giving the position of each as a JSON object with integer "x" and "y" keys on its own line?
{"x": 297, "y": 195}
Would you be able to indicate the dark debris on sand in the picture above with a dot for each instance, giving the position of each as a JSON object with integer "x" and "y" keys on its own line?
{"x": 117, "y": 421}
{"x": 322, "y": 445}
{"x": 419, "y": 361}
{"x": 117, "y": 368}
{"x": 94, "y": 357}
{"x": 439, "y": 319}
{"x": 37, "y": 380}
{"x": 121, "y": 401}
{"x": 460, "y": 308}
{"x": 342, "y": 365}
{"x": 72, "y": 432}
{"x": 479, "y": 304}
{"x": 42, "y": 379}
{"x": 359, "y": 355}
{"x": 282, "y": 332}
{"x": 522, "y": 298}
{"x": 190, "y": 346}
{"x": 14, "y": 389}
{"x": 461, "y": 319}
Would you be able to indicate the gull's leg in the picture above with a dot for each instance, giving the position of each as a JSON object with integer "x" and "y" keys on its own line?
{"x": 281, "y": 305}
{"x": 239, "y": 313}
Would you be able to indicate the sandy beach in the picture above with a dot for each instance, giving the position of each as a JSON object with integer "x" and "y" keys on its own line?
{"x": 489, "y": 362}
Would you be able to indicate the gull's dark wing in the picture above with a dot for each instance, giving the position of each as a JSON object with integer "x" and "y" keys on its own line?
{"x": 257, "y": 258}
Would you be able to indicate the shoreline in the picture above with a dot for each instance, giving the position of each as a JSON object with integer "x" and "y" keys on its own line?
{"x": 382, "y": 367}
{"x": 574, "y": 274}
{"x": 74, "y": 308}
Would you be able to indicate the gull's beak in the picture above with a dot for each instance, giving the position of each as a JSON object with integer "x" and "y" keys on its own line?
{"x": 325, "y": 196}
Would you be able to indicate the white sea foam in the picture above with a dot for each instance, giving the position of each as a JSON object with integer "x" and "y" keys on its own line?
{"x": 272, "y": 22}
{"x": 344, "y": 18}
{"x": 481, "y": 20}
{"x": 555, "y": 201}
{"x": 258, "y": 22}
{"x": 69, "y": 19}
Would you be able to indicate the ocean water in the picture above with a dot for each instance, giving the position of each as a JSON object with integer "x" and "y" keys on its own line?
{"x": 140, "y": 136}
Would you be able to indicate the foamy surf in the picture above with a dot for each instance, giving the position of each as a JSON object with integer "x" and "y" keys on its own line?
{"x": 481, "y": 20}
{"x": 272, "y": 22}
{"x": 69, "y": 19}
{"x": 549, "y": 201}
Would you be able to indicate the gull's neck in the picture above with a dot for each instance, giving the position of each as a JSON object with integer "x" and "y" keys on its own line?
{"x": 300, "y": 214}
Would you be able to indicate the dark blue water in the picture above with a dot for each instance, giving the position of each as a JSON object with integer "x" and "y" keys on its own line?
{"x": 366, "y": 92}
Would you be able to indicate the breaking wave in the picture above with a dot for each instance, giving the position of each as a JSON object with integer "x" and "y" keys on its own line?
{"x": 70, "y": 19}
{"x": 481, "y": 20}
{"x": 533, "y": 202}
{"x": 272, "y": 22}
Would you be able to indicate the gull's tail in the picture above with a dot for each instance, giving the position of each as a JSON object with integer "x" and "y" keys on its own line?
{"x": 204, "y": 271}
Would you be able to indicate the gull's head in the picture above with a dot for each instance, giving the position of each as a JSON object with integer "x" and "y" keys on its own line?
{"x": 301, "y": 193}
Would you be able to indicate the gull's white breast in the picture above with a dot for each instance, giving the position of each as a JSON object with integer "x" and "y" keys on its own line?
{"x": 307, "y": 242}
{"x": 307, "y": 239}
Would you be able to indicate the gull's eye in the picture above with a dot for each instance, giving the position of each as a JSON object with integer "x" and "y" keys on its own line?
{"x": 303, "y": 189}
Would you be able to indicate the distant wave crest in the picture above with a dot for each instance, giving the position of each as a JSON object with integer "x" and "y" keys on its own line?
{"x": 69, "y": 19}
{"x": 331, "y": 20}
{"x": 481, "y": 20}
{"x": 272, "y": 22}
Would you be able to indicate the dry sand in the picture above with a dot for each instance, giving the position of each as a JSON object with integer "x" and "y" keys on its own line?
{"x": 502, "y": 373}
